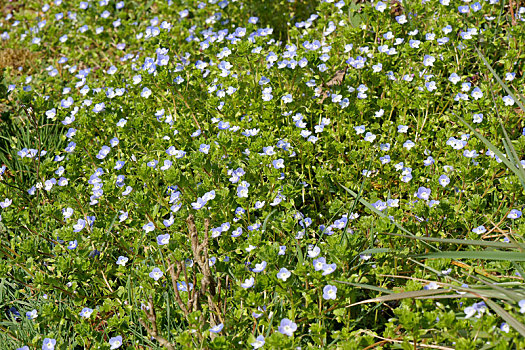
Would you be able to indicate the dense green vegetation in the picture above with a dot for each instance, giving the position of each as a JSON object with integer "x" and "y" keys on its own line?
{"x": 262, "y": 174}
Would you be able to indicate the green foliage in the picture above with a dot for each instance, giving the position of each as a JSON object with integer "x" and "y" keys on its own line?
{"x": 266, "y": 174}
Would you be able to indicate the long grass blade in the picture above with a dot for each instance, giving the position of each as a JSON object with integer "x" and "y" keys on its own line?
{"x": 403, "y": 295}
{"x": 481, "y": 255}
{"x": 374, "y": 210}
{"x": 519, "y": 100}
{"x": 496, "y": 151}
{"x": 511, "y": 321}
{"x": 367, "y": 286}
{"x": 466, "y": 242}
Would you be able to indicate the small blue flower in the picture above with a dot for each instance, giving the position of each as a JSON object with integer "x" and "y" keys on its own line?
{"x": 248, "y": 283}
{"x": 199, "y": 204}
{"x": 169, "y": 221}
{"x": 115, "y": 342}
{"x": 145, "y": 92}
{"x": 521, "y": 304}
{"x": 167, "y": 165}
{"x": 86, "y": 312}
{"x": 380, "y": 205}
{"x": 313, "y": 251}
{"x": 283, "y": 274}
{"x": 237, "y": 232}
{"x": 278, "y": 163}
{"x": 329, "y": 292}
{"x": 259, "y": 267}
{"x": 463, "y": 9}
{"x": 122, "y": 260}
{"x": 72, "y": 245}
{"x": 514, "y": 214}
{"x": 319, "y": 263}
{"x": 287, "y": 327}
{"x": 123, "y": 216}
{"x": 476, "y": 93}
{"x": 287, "y": 98}
{"x": 479, "y": 230}
{"x": 5, "y": 203}
{"x": 408, "y": 144}
{"x": 504, "y": 327}
{"x": 328, "y": 269}
{"x": 423, "y": 193}
{"x": 476, "y": 7}
{"x": 81, "y": 223}
{"x": 163, "y": 239}
{"x": 258, "y": 343}
{"x": 242, "y": 191}
{"x": 428, "y": 60}
{"x": 431, "y": 286}
{"x": 402, "y": 19}
{"x": 49, "y": 344}
{"x": 32, "y": 314}
{"x": 99, "y": 107}
{"x": 156, "y": 274}
{"x": 183, "y": 287}
{"x": 149, "y": 227}
{"x": 477, "y": 309}
{"x": 217, "y": 328}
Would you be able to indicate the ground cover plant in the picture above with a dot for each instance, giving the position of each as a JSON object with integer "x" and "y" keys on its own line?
{"x": 262, "y": 174}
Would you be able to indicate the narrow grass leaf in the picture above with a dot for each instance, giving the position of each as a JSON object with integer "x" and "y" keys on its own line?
{"x": 482, "y": 255}
{"x": 494, "y": 149}
{"x": 403, "y": 295}
{"x": 367, "y": 286}
{"x": 519, "y": 100}
{"x": 466, "y": 242}
{"x": 511, "y": 321}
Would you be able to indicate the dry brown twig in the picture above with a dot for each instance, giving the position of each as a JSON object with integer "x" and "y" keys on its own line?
{"x": 174, "y": 278}
{"x": 208, "y": 285}
{"x": 337, "y": 79}
{"x": 201, "y": 258}
{"x": 153, "y": 331}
